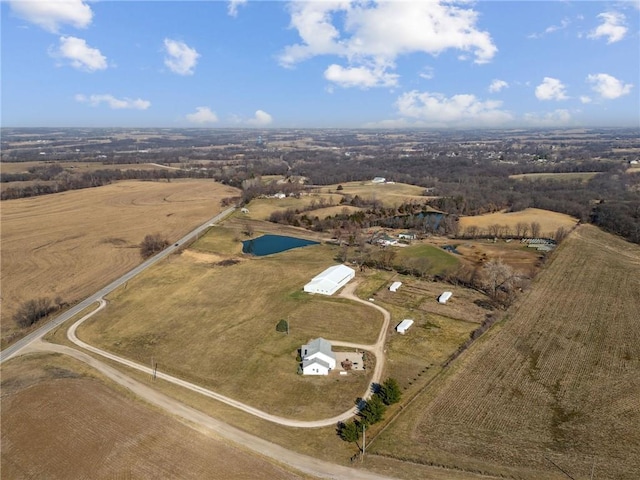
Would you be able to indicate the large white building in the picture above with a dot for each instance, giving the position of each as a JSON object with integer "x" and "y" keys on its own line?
{"x": 317, "y": 357}
{"x": 331, "y": 280}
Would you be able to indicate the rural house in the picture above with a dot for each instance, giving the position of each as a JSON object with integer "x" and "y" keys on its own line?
{"x": 317, "y": 357}
{"x": 331, "y": 280}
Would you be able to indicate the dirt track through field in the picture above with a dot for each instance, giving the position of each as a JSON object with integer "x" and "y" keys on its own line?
{"x": 303, "y": 463}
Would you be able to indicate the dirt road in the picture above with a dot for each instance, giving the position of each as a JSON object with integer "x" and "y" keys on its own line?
{"x": 192, "y": 417}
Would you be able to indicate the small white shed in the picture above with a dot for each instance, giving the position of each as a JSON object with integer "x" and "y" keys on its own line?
{"x": 444, "y": 296}
{"x": 404, "y": 325}
{"x": 395, "y": 286}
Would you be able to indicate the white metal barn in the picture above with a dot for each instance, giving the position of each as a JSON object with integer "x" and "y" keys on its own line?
{"x": 395, "y": 286}
{"x": 404, "y": 325}
{"x": 331, "y": 280}
{"x": 317, "y": 357}
{"x": 444, "y": 296}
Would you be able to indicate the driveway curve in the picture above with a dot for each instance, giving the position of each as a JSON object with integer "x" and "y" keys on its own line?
{"x": 377, "y": 349}
{"x": 303, "y": 463}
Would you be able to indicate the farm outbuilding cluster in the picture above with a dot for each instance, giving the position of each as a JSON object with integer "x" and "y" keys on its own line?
{"x": 331, "y": 280}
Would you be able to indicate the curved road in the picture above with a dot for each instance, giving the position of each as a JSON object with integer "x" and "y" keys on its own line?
{"x": 303, "y": 463}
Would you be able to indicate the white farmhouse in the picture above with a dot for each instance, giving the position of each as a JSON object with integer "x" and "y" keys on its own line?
{"x": 331, "y": 280}
{"x": 317, "y": 357}
{"x": 404, "y": 325}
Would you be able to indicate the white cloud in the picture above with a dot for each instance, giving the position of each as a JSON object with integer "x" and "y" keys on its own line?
{"x": 180, "y": 58}
{"x": 79, "y": 54}
{"x": 551, "y": 89}
{"x": 232, "y": 9}
{"x": 427, "y": 73}
{"x": 202, "y": 115}
{"x": 612, "y": 27}
{"x": 497, "y": 85}
{"x": 557, "y": 118}
{"x": 52, "y": 14}
{"x": 373, "y": 35}
{"x": 362, "y": 77}
{"x": 113, "y": 102}
{"x": 261, "y": 118}
{"x": 585, "y": 99}
{"x": 463, "y": 109}
{"x": 564, "y": 23}
{"x": 607, "y": 86}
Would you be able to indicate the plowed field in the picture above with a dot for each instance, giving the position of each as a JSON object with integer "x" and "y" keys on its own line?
{"x": 558, "y": 382}
{"x": 61, "y": 424}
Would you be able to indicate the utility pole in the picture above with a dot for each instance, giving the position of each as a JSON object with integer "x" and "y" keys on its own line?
{"x": 364, "y": 440}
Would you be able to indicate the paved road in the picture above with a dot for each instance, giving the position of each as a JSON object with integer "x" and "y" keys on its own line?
{"x": 46, "y": 328}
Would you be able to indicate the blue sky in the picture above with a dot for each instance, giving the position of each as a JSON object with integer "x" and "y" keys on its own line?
{"x": 404, "y": 64}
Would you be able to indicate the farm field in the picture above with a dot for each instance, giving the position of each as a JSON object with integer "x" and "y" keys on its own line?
{"x": 59, "y": 421}
{"x": 215, "y": 325}
{"x": 557, "y": 381}
{"x": 549, "y": 221}
{"x": 389, "y": 194}
{"x": 261, "y": 208}
{"x": 583, "y": 176}
{"x": 70, "y": 244}
{"x": 23, "y": 167}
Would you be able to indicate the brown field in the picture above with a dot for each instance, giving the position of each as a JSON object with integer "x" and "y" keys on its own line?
{"x": 74, "y": 167}
{"x": 60, "y": 422}
{"x": 558, "y": 380}
{"x": 633, "y": 170}
{"x": 227, "y": 316}
{"x": 73, "y": 243}
{"x": 422, "y": 297}
{"x": 261, "y": 208}
{"x": 389, "y": 194}
{"x": 584, "y": 176}
{"x": 549, "y": 221}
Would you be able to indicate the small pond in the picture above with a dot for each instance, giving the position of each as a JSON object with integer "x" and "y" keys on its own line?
{"x": 269, "y": 244}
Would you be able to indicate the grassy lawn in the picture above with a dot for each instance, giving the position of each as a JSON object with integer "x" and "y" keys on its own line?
{"x": 440, "y": 260}
{"x": 215, "y": 326}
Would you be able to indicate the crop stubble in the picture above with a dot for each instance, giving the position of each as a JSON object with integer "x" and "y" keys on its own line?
{"x": 71, "y": 244}
{"x": 560, "y": 379}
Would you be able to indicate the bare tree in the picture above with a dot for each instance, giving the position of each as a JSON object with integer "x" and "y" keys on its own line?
{"x": 498, "y": 277}
{"x": 535, "y": 229}
{"x": 153, "y": 244}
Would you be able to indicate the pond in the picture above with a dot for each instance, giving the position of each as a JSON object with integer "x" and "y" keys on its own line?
{"x": 269, "y": 244}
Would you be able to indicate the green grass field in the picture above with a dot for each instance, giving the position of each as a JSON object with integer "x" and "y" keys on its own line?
{"x": 439, "y": 260}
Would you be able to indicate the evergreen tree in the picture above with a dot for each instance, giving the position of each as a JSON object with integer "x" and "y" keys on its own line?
{"x": 373, "y": 410}
{"x": 349, "y": 432}
{"x": 390, "y": 392}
